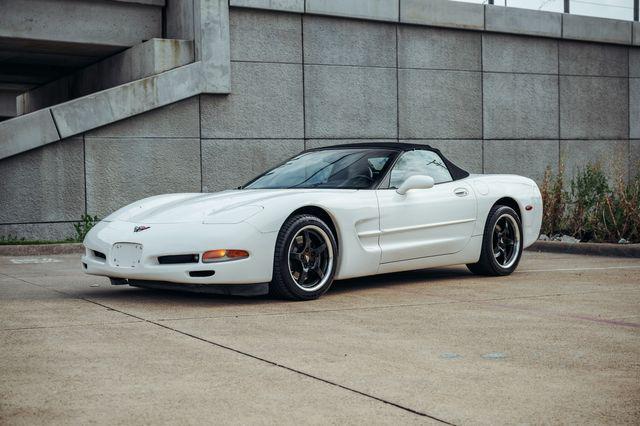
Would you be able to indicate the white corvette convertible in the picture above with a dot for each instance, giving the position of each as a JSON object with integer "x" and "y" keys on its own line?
{"x": 329, "y": 213}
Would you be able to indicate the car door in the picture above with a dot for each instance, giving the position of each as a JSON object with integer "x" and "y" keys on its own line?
{"x": 424, "y": 222}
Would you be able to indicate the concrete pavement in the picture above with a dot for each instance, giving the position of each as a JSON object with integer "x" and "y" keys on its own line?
{"x": 556, "y": 342}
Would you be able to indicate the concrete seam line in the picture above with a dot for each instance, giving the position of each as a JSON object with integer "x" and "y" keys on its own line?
{"x": 276, "y": 364}
{"x": 55, "y": 124}
{"x": 300, "y": 372}
{"x": 200, "y": 142}
{"x": 246, "y": 354}
{"x": 304, "y": 89}
{"x": 84, "y": 173}
{"x": 37, "y": 223}
{"x": 482, "y": 74}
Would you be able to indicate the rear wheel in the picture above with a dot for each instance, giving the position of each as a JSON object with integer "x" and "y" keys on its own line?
{"x": 501, "y": 243}
{"x": 305, "y": 259}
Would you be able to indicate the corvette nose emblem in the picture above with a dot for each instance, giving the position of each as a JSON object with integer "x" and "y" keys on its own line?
{"x": 140, "y": 228}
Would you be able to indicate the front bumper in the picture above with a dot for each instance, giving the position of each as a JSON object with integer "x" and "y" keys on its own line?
{"x": 178, "y": 239}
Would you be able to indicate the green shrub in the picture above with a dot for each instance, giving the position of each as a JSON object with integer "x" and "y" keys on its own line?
{"x": 591, "y": 209}
{"x": 589, "y": 189}
{"x": 84, "y": 226}
{"x": 553, "y": 198}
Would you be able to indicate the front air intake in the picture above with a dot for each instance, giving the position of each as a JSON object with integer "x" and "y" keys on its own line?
{"x": 178, "y": 258}
{"x": 197, "y": 274}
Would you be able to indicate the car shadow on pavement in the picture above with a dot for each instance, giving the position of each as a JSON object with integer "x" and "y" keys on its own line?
{"x": 417, "y": 277}
{"x": 348, "y": 286}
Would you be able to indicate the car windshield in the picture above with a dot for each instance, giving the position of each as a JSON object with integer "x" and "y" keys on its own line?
{"x": 331, "y": 168}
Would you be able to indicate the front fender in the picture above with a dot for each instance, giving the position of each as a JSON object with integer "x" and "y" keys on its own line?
{"x": 353, "y": 213}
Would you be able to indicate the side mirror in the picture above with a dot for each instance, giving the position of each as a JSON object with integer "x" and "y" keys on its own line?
{"x": 415, "y": 182}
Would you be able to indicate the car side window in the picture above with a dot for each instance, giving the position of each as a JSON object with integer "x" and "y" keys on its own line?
{"x": 419, "y": 162}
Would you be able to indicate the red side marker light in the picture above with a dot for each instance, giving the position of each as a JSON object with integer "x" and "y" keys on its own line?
{"x": 529, "y": 207}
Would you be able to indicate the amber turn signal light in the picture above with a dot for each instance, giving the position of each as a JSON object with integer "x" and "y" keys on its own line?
{"x": 222, "y": 255}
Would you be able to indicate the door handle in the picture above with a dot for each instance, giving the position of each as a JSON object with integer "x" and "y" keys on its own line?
{"x": 461, "y": 192}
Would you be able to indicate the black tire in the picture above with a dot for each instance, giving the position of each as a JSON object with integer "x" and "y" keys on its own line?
{"x": 494, "y": 237}
{"x": 290, "y": 281}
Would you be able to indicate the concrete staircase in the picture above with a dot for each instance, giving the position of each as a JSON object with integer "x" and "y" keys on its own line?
{"x": 140, "y": 71}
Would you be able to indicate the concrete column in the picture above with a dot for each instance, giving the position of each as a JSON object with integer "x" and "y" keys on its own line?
{"x": 212, "y": 43}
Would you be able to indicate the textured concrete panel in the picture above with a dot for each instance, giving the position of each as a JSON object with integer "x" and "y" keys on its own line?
{"x": 593, "y": 108}
{"x": 466, "y": 154}
{"x": 440, "y": 104}
{"x": 636, "y": 33}
{"x": 528, "y": 158}
{"x": 442, "y": 13}
{"x": 45, "y": 184}
{"x": 579, "y": 58}
{"x": 266, "y": 102}
{"x": 634, "y": 158}
{"x": 634, "y": 62}
{"x": 258, "y": 35}
{"x": 282, "y": 5}
{"x": 520, "y": 106}
{"x": 229, "y": 163}
{"x": 343, "y": 102}
{"x": 577, "y": 27}
{"x": 123, "y": 170}
{"x": 81, "y": 22}
{"x": 380, "y": 10}
{"x": 634, "y": 107}
{"x": 423, "y": 47}
{"x": 612, "y": 155}
{"x": 56, "y": 231}
{"x": 319, "y": 143}
{"x": 348, "y": 42}
{"x": 180, "y": 119}
{"x": 508, "y": 53}
{"x": 522, "y": 21}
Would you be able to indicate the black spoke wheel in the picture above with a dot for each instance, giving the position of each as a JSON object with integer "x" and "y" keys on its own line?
{"x": 506, "y": 240}
{"x": 501, "y": 243}
{"x": 310, "y": 257}
{"x": 305, "y": 259}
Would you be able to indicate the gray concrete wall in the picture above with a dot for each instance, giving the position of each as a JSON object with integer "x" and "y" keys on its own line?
{"x": 493, "y": 102}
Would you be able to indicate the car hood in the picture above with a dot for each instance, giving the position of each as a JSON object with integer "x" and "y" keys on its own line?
{"x": 221, "y": 207}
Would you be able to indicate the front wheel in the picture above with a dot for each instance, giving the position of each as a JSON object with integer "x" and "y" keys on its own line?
{"x": 305, "y": 259}
{"x": 501, "y": 243}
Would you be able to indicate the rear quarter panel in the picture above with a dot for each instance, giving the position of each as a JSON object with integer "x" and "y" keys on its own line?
{"x": 524, "y": 191}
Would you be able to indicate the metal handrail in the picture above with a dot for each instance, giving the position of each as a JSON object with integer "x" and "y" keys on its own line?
{"x": 567, "y": 6}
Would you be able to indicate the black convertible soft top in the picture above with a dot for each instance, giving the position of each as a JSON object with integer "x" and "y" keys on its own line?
{"x": 456, "y": 172}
